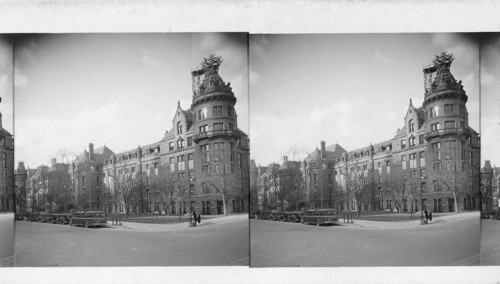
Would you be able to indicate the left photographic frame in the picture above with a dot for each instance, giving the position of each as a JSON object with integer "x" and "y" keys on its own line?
{"x": 133, "y": 148}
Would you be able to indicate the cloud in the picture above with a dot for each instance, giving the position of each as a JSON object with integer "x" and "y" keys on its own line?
{"x": 275, "y": 134}
{"x": 20, "y": 80}
{"x": 148, "y": 60}
{"x": 487, "y": 79}
{"x": 3, "y": 85}
{"x": 258, "y": 43}
{"x": 254, "y": 77}
{"x": 465, "y": 49}
{"x": 382, "y": 58}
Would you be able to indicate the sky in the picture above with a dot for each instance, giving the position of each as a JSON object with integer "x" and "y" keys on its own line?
{"x": 490, "y": 99}
{"x": 118, "y": 90}
{"x": 6, "y": 83}
{"x": 350, "y": 89}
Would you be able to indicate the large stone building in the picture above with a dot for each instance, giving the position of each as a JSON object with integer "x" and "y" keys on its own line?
{"x": 431, "y": 163}
{"x": 490, "y": 187}
{"x": 6, "y": 169}
{"x": 202, "y": 160}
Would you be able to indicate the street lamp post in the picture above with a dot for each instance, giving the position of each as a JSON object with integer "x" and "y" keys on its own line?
{"x": 421, "y": 202}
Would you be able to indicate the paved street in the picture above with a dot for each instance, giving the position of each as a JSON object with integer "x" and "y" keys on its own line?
{"x": 449, "y": 241}
{"x": 6, "y": 239}
{"x": 490, "y": 242}
{"x": 222, "y": 243}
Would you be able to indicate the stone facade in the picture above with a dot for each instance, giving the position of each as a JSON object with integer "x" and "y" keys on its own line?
{"x": 434, "y": 155}
{"x": 6, "y": 170}
{"x": 490, "y": 187}
{"x": 203, "y": 160}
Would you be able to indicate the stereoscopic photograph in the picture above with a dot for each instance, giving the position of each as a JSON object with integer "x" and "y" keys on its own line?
{"x": 131, "y": 149}
{"x": 365, "y": 150}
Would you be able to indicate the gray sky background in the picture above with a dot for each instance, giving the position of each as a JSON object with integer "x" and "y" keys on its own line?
{"x": 118, "y": 90}
{"x": 353, "y": 89}
{"x": 490, "y": 100}
{"x": 6, "y": 83}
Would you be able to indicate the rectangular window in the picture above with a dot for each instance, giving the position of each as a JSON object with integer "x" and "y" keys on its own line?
{"x": 422, "y": 172}
{"x": 171, "y": 146}
{"x": 217, "y": 111}
{"x": 156, "y": 168}
{"x": 190, "y": 161}
{"x": 413, "y": 161}
{"x": 189, "y": 141}
{"x": 411, "y": 141}
{"x": 433, "y": 112}
{"x": 180, "y": 144}
{"x": 435, "y": 127}
{"x": 231, "y": 151}
{"x": 202, "y": 114}
{"x": 403, "y": 162}
{"x": 420, "y": 139}
{"x": 462, "y": 109}
{"x": 172, "y": 164}
{"x": 449, "y": 124}
{"x": 181, "y": 166}
{"x": 388, "y": 167}
{"x": 403, "y": 144}
{"x": 422, "y": 159}
{"x": 230, "y": 111}
{"x": 218, "y": 126}
{"x": 231, "y": 127}
{"x": 436, "y": 185}
{"x": 449, "y": 109}
{"x": 204, "y": 150}
{"x": 203, "y": 129}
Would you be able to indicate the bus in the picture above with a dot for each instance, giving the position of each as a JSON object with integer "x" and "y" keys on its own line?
{"x": 89, "y": 219}
{"x": 320, "y": 216}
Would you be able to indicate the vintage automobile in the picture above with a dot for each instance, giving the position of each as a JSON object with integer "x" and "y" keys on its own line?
{"x": 18, "y": 216}
{"x": 63, "y": 219}
{"x": 44, "y": 217}
{"x": 31, "y": 217}
{"x": 89, "y": 219}
{"x": 294, "y": 217}
{"x": 320, "y": 216}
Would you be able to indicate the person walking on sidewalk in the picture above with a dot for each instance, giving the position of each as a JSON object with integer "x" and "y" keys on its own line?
{"x": 194, "y": 219}
{"x": 426, "y": 215}
{"x": 430, "y": 216}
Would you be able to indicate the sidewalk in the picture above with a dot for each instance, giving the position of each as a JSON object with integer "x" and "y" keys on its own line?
{"x": 412, "y": 224}
{"x": 6, "y": 216}
{"x": 148, "y": 227}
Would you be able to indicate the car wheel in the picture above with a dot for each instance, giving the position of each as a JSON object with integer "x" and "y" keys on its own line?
{"x": 70, "y": 223}
{"x": 302, "y": 220}
{"x": 317, "y": 223}
{"x": 86, "y": 224}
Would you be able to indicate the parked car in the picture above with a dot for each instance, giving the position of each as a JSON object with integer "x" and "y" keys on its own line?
{"x": 43, "y": 218}
{"x": 89, "y": 219}
{"x": 31, "y": 217}
{"x": 294, "y": 217}
{"x": 18, "y": 216}
{"x": 63, "y": 219}
{"x": 320, "y": 216}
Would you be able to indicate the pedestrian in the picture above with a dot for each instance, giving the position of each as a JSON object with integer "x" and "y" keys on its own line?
{"x": 426, "y": 215}
{"x": 430, "y": 216}
{"x": 194, "y": 218}
{"x": 199, "y": 218}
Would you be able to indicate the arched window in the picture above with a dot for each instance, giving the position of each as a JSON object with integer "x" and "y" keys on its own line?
{"x": 411, "y": 126}
{"x": 179, "y": 128}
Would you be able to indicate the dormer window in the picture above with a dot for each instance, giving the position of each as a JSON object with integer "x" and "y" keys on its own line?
{"x": 179, "y": 128}
{"x": 411, "y": 125}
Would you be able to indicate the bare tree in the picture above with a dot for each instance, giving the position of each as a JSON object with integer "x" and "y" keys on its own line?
{"x": 165, "y": 184}
{"x": 183, "y": 192}
{"x": 357, "y": 185}
{"x": 455, "y": 178}
{"x": 397, "y": 187}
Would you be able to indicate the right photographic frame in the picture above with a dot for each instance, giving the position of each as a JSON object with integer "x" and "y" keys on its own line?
{"x": 366, "y": 149}
{"x": 490, "y": 150}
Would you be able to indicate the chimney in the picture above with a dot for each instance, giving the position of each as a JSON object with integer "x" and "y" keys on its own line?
{"x": 91, "y": 151}
{"x": 323, "y": 149}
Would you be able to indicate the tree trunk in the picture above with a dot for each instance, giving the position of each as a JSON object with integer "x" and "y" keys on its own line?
{"x": 224, "y": 205}
{"x": 456, "y": 203}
